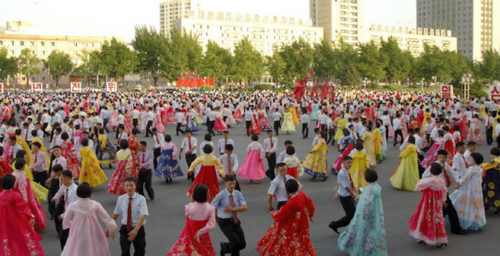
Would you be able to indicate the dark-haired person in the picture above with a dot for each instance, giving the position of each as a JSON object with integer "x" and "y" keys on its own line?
{"x": 168, "y": 165}
{"x": 68, "y": 152}
{"x": 5, "y": 167}
{"x": 427, "y": 230}
{"x": 124, "y": 168}
{"x": 200, "y": 219}
{"x": 189, "y": 145}
{"x": 471, "y": 148}
{"x": 289, "y": 235}
{"x": 225, "y": 140}
{"x": 369, "y": 207}
{"x": 67, "y": 192}
{"x": 277, "y": 188}
{"x": 252, "y": 167}
{"x": 230, "y": 162}
{"x": 42, "y": 148}
{"x": 39, "y": 167}
{"x": 270, "y": 147}
{"x": 293, "y": 165}
{"x": 282, "y": 155}
{"x": 460, "y": 164}
{"x": 346, "y": 192}
{"x": 10, "y": 150}
{"x": 228, "y": 203}
{"x": 406, "y": 175}
{"x": 20, "y": 141}
{"x": 85, "y": 233}
{"x": 23, "y": 186}
{"x": 145, "y": 164}
{"x": 91, "y": 171}
{"x": 121, "y": 135}
{"x": 132, "y": 228}
{"x": 54, "y": 183}
{"x": 16, "y": 222}
{"x": 207, "y": 174}
{"x": 491, "y": 194}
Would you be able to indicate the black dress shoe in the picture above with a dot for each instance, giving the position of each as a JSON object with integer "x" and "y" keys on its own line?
{"x": 334, "y": 228}
{"x": 222, "y": 253}
{"x": 461, "y": 232}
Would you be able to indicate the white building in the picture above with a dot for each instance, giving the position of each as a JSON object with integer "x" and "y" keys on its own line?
{"x": 339, "y": 18}
{"x": 174, "y": 10}
{"x": 473, "y": 22}
{"x": 412, "y": 39}
{"x": 227, "y": 29}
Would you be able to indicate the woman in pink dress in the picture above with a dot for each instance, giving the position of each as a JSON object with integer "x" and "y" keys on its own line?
{"x": 69, "y": 153}
{"x": 112, "y": 122}
{"x": 200, "y": 219}
{"x": 124, "y": 168}
{"x": 252, "y": 167}
{"x": 85, "y": 233}
{"x": 427, "y": 222}
{"x": 219, "y": 125}
{"x": 158, "y": 124}
{"x": 128, "y": 122}
{"x": 16, "y": 231}
{"x": 264, "y": 124}
{"x": 431, "y": 156}
{"x": 170, "y": 115}
{"x": 163, "y": 114}
{"x": 23, "y": 186}
{"x": 475, "y": 130}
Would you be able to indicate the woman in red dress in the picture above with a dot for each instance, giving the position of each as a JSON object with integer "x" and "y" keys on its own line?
{"x": 16, "y": 231}
{"x": 170, "y": 114}
{"x": 4, "y": 167}
{"x": 207, "y": 174}
{"x": 289, "y": 234}
{"x": 254, "y": 126}
{"x": 427, "y": 222}
{"x": 200, "y": 219}
{"x": 69, "y": 153}
{"x": 128, "y": 122}
{"x": 133, "y": 145}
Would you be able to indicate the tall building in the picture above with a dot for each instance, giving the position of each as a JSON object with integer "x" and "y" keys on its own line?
{"x": 473, "y": 22}
{"x": 21, "y": 35}
{"x": 339, "y": 18}
{"x": 227, "y": 29}
{"x": 174, "y": 10}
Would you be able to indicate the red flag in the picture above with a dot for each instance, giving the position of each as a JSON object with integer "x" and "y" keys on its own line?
{"x": 194, "y": 73}
{"x": 179, "y": 82}
{"x": 200, "y": 82}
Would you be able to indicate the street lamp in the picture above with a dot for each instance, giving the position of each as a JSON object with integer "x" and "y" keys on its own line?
{"x": 467, "y": 80}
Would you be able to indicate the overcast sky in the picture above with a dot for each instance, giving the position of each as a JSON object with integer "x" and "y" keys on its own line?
{"x": 117, "y": 18}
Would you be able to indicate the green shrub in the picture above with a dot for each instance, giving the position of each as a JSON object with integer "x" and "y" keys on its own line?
{"x": 264, "y": 87}
{"x": 206, "y": 88}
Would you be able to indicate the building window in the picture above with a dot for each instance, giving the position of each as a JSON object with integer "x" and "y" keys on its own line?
{"x": 32, "y": 43}
{"x": 33, "y": 78}
{"x": 12, "y": 52}
{"x": 43, "y": 52}
{"x": 43, "y": 78}
{"x": 1, "y": 42}
{"x": 42, "y": 43}
{"x": 53, "y": 44}
{"x": 21, "y": 43}
{"x": 33, "y": 52}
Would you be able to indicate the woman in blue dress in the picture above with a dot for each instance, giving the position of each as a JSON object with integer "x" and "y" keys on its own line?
{"x": 365, "y": 235}
{"x": 168, "y": 165}
{"x": 315, "y": 108}
{"x": 191, "y": 124}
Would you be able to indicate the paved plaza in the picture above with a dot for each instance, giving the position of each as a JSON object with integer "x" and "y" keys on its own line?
{"x": 166, "y": 213}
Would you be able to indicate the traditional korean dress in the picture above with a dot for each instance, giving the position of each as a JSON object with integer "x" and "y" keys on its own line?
{"x": 475, "y": 133}
{"x": 468, "y": 200}
{"x": 347, "y": 145}
{"x": 191, "y": 124}
{"x": 168, "y": 165}
{"x": 23, "y": 186}
{"x": 254, "y": 125}
{"x": 365, "y": 234}
{"x": 105, "y": 152}
{"x": 133, "y": 146}
{"x": 17, "y": 235}
{"x": 293, "y": 166}
{"x": 91, "y": 172}
{"x": 5, "y": 169}
{"x": 384, "y": 140}
{"x": 29, "y": 156}
{"x": 491, "y": 184}
{"x": 287, "y": 125}
{"x": 252, "y": 167}
{"x": 200, "y": 219}
{"x": 341, "y": 123}
{"x": 368, "y": 146}
{"x": 406, "y": 175}
{"x": 158, "y": 124}
{"x": 264, "y": 124}
{"x": 427, "y": 222}
{"x": 377, "y": 144}
{"x": 69, "y": 153}
{"x": 170, "y": 115}
{"x": 40, "y": 191}
{"x": 431, "y": 156}
{"x": 289, "y": 234}
{"x": 295, "y": 119}
{"x": 124, "y": 168}
{"x": 219, "y": 124}
{"x": 128, "y": 124}
{"x": 315, "y": 162}
{"x": 207, "y": 175}
{"x": 85, "y": 232}
{"x": 237, "y": 115}
{"x": 360, "y": 163}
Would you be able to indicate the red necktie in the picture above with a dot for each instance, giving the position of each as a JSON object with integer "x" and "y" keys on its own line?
{"x": 119, "y": 138}
{"x": 235, "y": 215}
{"x": 272, "y": 144}
{"x": 143, "y": 157}
{"x": 129, "y": 214}
{"x": 65, "y": 199}
{"x": 157, "y": 140}
{"x": 189, "y": 140}
{"x": 488, "y": 123}
{"x": 352, "y": 184}
{"x": 229, "y": 166}
{"x": 466, "y": 165}
{"x": 446, "y": 177}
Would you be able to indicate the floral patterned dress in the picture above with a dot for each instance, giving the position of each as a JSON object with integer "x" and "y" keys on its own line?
{"x": 491, "y": 183}
{"x": 124, "y": 168}
{"x": 289, "y": 234}
{"x": 105, "y": 153}
{"x": 365, "y": 235}
{"x": 133, "y": 145}
{"x": 68, "y": 152}
{"x": 168, "y": 165}
{"x": 315, "y": 162}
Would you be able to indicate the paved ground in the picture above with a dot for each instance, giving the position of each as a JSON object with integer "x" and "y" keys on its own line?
{"x": 166, "y": 218}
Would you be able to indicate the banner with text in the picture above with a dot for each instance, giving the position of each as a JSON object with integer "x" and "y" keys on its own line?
{"x": 36, "y": 87}
{"x": 112, "y": 87}
{"x": 447, "y": 91}
{"x": 76, "y": 87}
{"x": 1, "y": 88}
{"x": 494, "y": 93}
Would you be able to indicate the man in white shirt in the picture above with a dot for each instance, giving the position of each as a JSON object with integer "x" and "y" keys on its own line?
{"x": 179, "y": 117}
{"x": 270, "y": 147}
{"x": 26, "y": 133}
{"x": 68, "y": 191}
{"x": 323, "y": 120}
{"x": 135, "y": 117}
{"x": 211, "y": 115}
{"x": 223, "y": 142}
{"x": 459, "y": 162}
{"x": 188, "y": 145}
{"x": 396, "y": 125}
{"x": 248, "y": 115}
{"x": 277, "y": 121}
{"x": 120, "y": 120}
{"x": 45, "y": 121}
{"x": 150, "y": 116}
{"x": 471, "y": 148}
{"x": 230, "y": 162}
{"x": 277, "y": 188}
{"x": 305, "y": 119}
{"x": 122, "y": 135}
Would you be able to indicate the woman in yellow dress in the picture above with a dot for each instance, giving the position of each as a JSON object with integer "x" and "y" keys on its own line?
{"x": 483, "y": 111}
{"x": 340, "y": 122}
{"x": 406, "y": 175}
{"x": 377, "y": 143}
{"x": 90, "y": 172}
{"x": 367, "y": 139}
{"x": 315, "y": 162}
{"x": 40, "y": 191}
{"x": 360, "y": 163}
{"x": 427, "y": 116}
{"x": 295, "y": 119}
{"x": 20, "y": 140}
{"x": 287, "y": 125}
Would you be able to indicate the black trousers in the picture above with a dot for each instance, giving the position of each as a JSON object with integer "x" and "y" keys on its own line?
{"x": 139, "y": 242}
{"x": 53, "y": 188}
{"x": 280, "y": 204}
{"x": 63, "y": 237}
{"x": 40, "y": 178}
{"x": 400, "y": 133}
{"x": 105, "y": 124}
{"x": 58, "y": 211}
{"x": 271, "y": 163}
{"x": 44, "y": 127}
{"x": 489, "y": 135}
{"x": 305, "y": 131}
{"x": 210, "y": 126}
{"x": 276, "y": 127}
{"x": 156, "y": 153}
{"x": 452, "y": 215}
{"x": 498, "y": 141}
{"x": 331, "y": 136}
{"x": 349, "y": 208}
{"x": 234, "y": 234}
{"x": 135, "y": 122}
{"x": 148, "y": 129}
{"x": 145, "y": 179}
{"x": 386, "y": 132}
{"x": 248, "y": 127}
{"x": 190, "y": 159}
{"x": 178, "y": 129}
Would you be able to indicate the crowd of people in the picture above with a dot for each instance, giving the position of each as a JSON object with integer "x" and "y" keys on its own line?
{"x": 91, "y": 131}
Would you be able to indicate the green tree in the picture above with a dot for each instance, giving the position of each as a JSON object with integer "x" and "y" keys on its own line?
{"x": 371, "y": 62}
{"x": 489, "y": 67}
{"x": 324, "y": 62}
{"x": 398, "y": 66}
{"x": 150, "y": 47}
{"x": 116, "y": 59}
{"x": 28, "y": 64}
{"x": 275, "y": 64}
{"x": 8, "y": 65}
{"x": 247, "y": 63}
{"x": 347, "y": 59}
{"x": 90, "y": 65}
{"x": 176, "y": 60}
{"x": 298, "y": 57}
{"x": 59, "y": 64}
{"x": 216, "y": 62}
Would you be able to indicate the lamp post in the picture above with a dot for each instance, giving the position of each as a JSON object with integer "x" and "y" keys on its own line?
{"x": 467, "y": 80}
